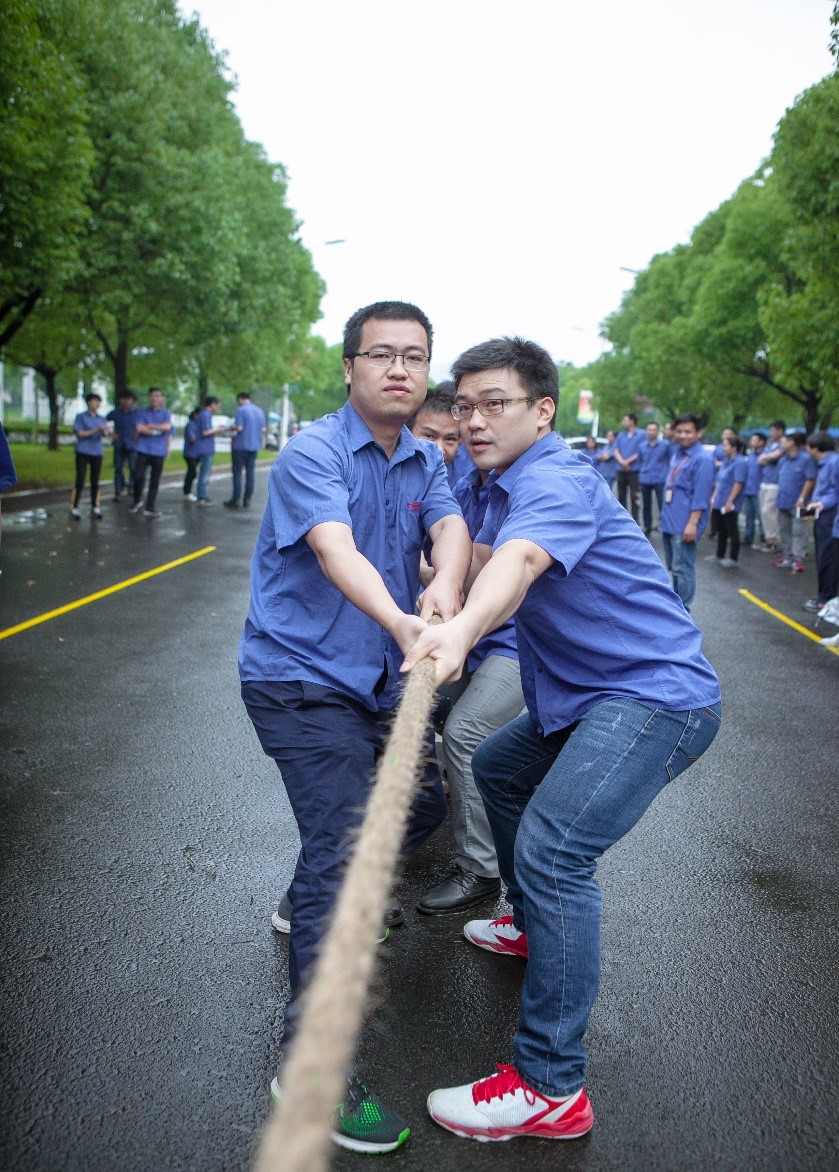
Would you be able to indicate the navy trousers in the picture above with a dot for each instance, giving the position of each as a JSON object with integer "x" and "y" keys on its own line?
{"x": 326, "y": 746}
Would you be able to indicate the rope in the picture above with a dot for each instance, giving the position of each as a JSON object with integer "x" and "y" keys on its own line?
{"x": 297, "y": 1137}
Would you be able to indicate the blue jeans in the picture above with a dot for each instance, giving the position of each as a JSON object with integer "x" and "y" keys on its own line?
{"x": 123, "y": 456}
{"x": 751, "y": 515}
{"x": 243, "y": 461}
{"x": 205, "y": 464}
{"x": 680, "y": 559}
{"x": 555, "y": 804}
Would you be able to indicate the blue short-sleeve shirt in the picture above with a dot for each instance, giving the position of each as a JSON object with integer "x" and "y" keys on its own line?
{"x": 654, "y": 462}
{"x": 771, "y": 471}
{"x": 153, "y": 445}
{"x": 826, "y": 489}
{"x": 90, "y": 445}
{"x": 123, "y": 423}
{"x": 473, "y": 497}
{"x": 793, "y": 472}
{"x": 689, "y": 484}
{"x": 630, "y": 445}
{"x": 251, "y": 419}
{"x": 732, "y": 471}
{"x": 299, "y": 626}
{"x": 205, "y": 445}
{"x": 604, "y": 621}
{"x": 754, "y": 475}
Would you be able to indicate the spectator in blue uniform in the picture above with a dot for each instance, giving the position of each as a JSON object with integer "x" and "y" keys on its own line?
{"x": 192, "y": 438}
{"x": 607, "y": 464}
{"x": 352, "y": 501}
{"x": 249, "y": 428}
{"x": 620, "y": 701}
{"x": 123, "y": 420}
{"x": 90, "y": 427}
{"x": 751, "y": 489}
{"x": 687, "y": 493}
{"x": 8, "y": 475}
{"x": 654, "y": 462}
{"x": 205, "y": 446}
{"x": 725, "y": 501}
{"x": 153, "y": 436}
{"x": 823, "y": 506}
{"x": 768, "y": 495}
{"x": 795, "y": 468}
{"x": 627, "y": 453}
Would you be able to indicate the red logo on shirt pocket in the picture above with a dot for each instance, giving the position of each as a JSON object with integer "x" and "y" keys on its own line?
{"x": 415, "y": 505}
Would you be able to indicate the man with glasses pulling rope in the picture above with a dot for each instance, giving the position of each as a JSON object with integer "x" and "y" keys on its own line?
{"x": 620, "y": 700}
{"x": 353, "y": 500}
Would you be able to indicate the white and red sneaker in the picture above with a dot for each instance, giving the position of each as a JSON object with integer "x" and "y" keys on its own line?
{"x": 503, "y": 1107}
{"x": 499, "y": 935}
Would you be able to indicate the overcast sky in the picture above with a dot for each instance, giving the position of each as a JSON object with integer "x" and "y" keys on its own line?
{"x": 498, "y": 164}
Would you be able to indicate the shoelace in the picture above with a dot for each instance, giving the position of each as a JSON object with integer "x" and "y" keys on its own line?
{"x": 505, "y": 1082}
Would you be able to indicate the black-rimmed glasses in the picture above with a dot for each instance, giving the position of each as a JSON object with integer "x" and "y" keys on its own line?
{"x": 386, "y": 358}
{"x": 463, "y": 411}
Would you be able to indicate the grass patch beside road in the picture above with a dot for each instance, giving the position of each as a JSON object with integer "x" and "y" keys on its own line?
{"x": 38, "y": 467}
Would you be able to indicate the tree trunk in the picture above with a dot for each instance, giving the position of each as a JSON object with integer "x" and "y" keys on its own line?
{"x": 14, "y": 312}
{"x": 203, "y": 383}
{"x": 50, "y": 378}
{"x": 119, "y": 360}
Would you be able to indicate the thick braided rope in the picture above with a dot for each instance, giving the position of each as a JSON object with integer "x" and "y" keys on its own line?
{"x": 297, "y": 1137}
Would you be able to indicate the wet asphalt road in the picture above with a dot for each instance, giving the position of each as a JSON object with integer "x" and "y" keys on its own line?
{"x": 145, "y": 839}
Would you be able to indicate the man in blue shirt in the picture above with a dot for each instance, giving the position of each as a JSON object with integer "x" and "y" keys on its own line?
{"x": 795, "y": 468}
{"x": 153, "y": 435}
{"x": 768, "y": 494}
{"x": 620, "y": 700}
{"x": 205, "y": 446}
{"x": 687, "y": 496}
{"x": 89, "y": 427}
{"x": 627, "y": 453}
{"x": 725, "y": 501}
{"x": 654, "y": 461}
{"x": 123, "y": 420}
{"x": 754, "y": 475}
{"x": 352, "y": 501}
{"x": 249, "y": 425}
{"x": 823, "y": 506}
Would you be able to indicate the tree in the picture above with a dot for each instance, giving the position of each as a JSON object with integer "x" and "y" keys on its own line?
{"x": 55, "y": 342}
{"x": 45, "y": 159}
{"x": 318, "y": 379}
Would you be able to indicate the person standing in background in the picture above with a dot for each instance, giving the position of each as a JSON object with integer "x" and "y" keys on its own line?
{"x": 191, "y": 438}
{"x": 123, "y": 420}
{"x": 89, "y": 427}
{"x": 751, "y": 489}
{"x": 627, "y": 453}
{"x": 654, "y": 461}
{"x": 249, "y": 428}
{"x": 768, "y": 495}
{"x": 153, "y": 433}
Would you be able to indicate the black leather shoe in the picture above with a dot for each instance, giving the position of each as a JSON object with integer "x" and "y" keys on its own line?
{"x": 394, "y": 916}
{"x": 231, "y": 504}
{"x": 460, "y": 889}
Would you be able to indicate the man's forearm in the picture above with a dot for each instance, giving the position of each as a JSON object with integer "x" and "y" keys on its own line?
{"x": 360, "y": 582}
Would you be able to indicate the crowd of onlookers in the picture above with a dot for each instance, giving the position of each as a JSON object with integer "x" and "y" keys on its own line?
{"x": 142, "y": 438}
{"x": 764, "y": 492}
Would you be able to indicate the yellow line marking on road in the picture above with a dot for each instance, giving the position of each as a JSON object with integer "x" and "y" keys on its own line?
{"x": 54, "y": 614}
{"x": 789, "y": 622}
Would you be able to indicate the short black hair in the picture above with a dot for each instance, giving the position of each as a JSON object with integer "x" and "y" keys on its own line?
{"x": 697, "y": 420}
{"x": 779, "y": 425}
{"x": 822, "y": 441}
{"x": 209, "y": 399}
{"x": 736, "y": 442}
{"x": 799, "y": 438}
{"x": 383, "y": 311}
{"x": 630, "y": 415}
{"x": 92, "y": 395}
{"x": 243, "y": 395}
{"x": 532, "y": 363}
{"x": 438, "y": 401}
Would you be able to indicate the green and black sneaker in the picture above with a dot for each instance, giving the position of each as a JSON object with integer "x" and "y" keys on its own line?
{"x": 362, "y": 1122}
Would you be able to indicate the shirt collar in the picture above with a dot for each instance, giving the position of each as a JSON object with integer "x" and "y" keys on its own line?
{"x": 360, "y": 436}
{"x": 546, "y": 446}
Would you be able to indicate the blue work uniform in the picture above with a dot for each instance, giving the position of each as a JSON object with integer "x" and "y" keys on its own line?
{"x": 319, "y": 677}
{"x": 620, "y": 700}
{"x": 732, "y": 471}
{"x": 90, "y": 445}
{"x": 687, "y": 489}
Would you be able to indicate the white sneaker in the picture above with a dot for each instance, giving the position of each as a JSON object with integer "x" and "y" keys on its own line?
{"x": 499, "y": 935}
{"x": 190, "y": 496}
{"x": 830, "y": 641}
{"x": 503, "y": 1107}
{"x": 75, "y": 513}
{"x": 97, "y": 513}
